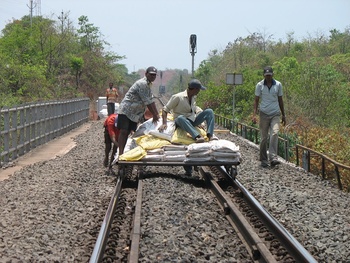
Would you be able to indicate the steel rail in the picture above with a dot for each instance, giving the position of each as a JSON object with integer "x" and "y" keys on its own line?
{"x": 256, "y": 246}
{"x": 294, "y": 248}
{"x": 100, "y": 245}
{"x": 136, "y": 231}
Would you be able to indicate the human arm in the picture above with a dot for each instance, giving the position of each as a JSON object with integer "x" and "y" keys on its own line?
{"x": 256, "y": 104}
{"x": 198, "y": 110}
{"x": 164, "y": 126}
{"x": 113, "y": 139}
{"x": 280, "y": 103}
{"x": 153, "y": 109}
{"x": 116, "y": 94}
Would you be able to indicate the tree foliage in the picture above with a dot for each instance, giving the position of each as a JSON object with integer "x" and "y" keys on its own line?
{"x": 49, "y": 59}
{"x": 314, "y": 72}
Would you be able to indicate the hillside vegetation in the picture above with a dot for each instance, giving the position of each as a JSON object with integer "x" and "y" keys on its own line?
{"x": 314, "y": 72}
{"x": 43, "y": 59}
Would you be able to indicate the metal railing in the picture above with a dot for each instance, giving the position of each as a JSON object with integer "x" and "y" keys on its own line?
{"x": 301, "y": 155}
{"x": 308, "y": 154}
{"x": 24, "y": 127}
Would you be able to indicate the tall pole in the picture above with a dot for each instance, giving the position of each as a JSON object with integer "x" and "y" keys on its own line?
{"x": 233, "y": 103}
{"x": 31, "y": 11}
{"x": 234, "y": 79}
{"x": 193, "y": 50}
{"x": 233, "y": 98}
{"x": 192, "y": 65}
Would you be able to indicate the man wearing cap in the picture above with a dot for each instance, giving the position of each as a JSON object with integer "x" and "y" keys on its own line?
{"x": 271, "y": 108}
{"x": 133, "y": 106}
{"x": 187, "y": 115}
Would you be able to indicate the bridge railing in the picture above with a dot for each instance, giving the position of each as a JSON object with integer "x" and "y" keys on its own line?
{"x": 310, "y": 160}
{"x": 24, "y": 127}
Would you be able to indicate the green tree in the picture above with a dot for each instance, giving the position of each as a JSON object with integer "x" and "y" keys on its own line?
{"x": 77, "y": 65}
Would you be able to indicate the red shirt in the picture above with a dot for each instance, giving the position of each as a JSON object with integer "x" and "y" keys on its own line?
{"x": 110, "y": 125}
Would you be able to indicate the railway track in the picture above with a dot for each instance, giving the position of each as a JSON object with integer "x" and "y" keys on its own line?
{"x": 125, "y": 231}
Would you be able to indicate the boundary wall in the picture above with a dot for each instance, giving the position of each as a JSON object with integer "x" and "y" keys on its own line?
{"x": 24, "y": 127}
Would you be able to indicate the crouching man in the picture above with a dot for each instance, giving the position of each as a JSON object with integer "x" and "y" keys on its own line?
{"x": 111, "y": 134}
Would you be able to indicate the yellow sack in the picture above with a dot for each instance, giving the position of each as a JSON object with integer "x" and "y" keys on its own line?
{"x": 134, "y": 154}
{"x": 180, "y": 136}
{"x": 150, "y": 142}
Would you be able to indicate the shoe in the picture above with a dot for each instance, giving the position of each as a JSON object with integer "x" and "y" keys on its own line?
{"x": 264, "y": 165}
{"x": 275, "y": 162}
{"x": 213, "y": 138}
{"x": 199, "y": 139}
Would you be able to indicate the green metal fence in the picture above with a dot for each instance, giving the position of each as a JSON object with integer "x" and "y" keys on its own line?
{"x": 290, "y": 150}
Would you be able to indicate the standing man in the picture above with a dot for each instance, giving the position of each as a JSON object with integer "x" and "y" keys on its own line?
{"x": 111, "y": 95}
{"x": 111, "y": 134}
{"x": 188, "y": 115}
{"x": 271, "y": 107}
{"x": 133, "y": 106}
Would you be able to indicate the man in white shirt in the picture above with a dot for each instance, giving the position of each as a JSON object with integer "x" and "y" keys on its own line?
{"x": 187, "y": 115}
{"x": 271, "y": 107}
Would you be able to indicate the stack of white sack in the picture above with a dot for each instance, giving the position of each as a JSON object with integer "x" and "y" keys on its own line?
{"x": 199, "y": 152}
{"x": 218, "y": 150}
{"x": 168, "y": 153}
{"x": 174, "y": 153}
{"x": 225, "y": 151}
{"x": 155, "y": 155}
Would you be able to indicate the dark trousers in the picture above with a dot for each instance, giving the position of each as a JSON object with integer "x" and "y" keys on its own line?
{"x": 108, "y": 147}
{"x": 110, "y": 108}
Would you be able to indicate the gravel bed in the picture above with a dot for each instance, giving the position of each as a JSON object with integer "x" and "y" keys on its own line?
{"x": 52, "y": 211}
{"x": 184, "y": 223}
{"x": 313, "y": 210}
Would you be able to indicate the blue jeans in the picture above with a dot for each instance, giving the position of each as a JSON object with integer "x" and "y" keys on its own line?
{"x": 189, "y": 126}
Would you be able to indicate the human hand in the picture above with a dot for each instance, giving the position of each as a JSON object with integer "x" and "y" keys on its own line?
{"x": 155, "y": 119}
{"x": 284, "y": 120}
{"x": 254, "y": 119}
{"x": 162, "y": 128}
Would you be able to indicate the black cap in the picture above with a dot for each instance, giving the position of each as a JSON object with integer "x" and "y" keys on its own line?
{"x": 195, "y": 83}
{"x": 151, "y": 70}
{"x": 268, "y": 71}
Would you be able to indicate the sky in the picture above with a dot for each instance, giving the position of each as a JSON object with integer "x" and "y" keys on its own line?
{"x": 157, "y": 32}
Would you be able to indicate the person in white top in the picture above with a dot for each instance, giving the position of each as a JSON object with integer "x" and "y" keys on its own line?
{"x": 188, "y": 115}
{"x": 269, "y": 91}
